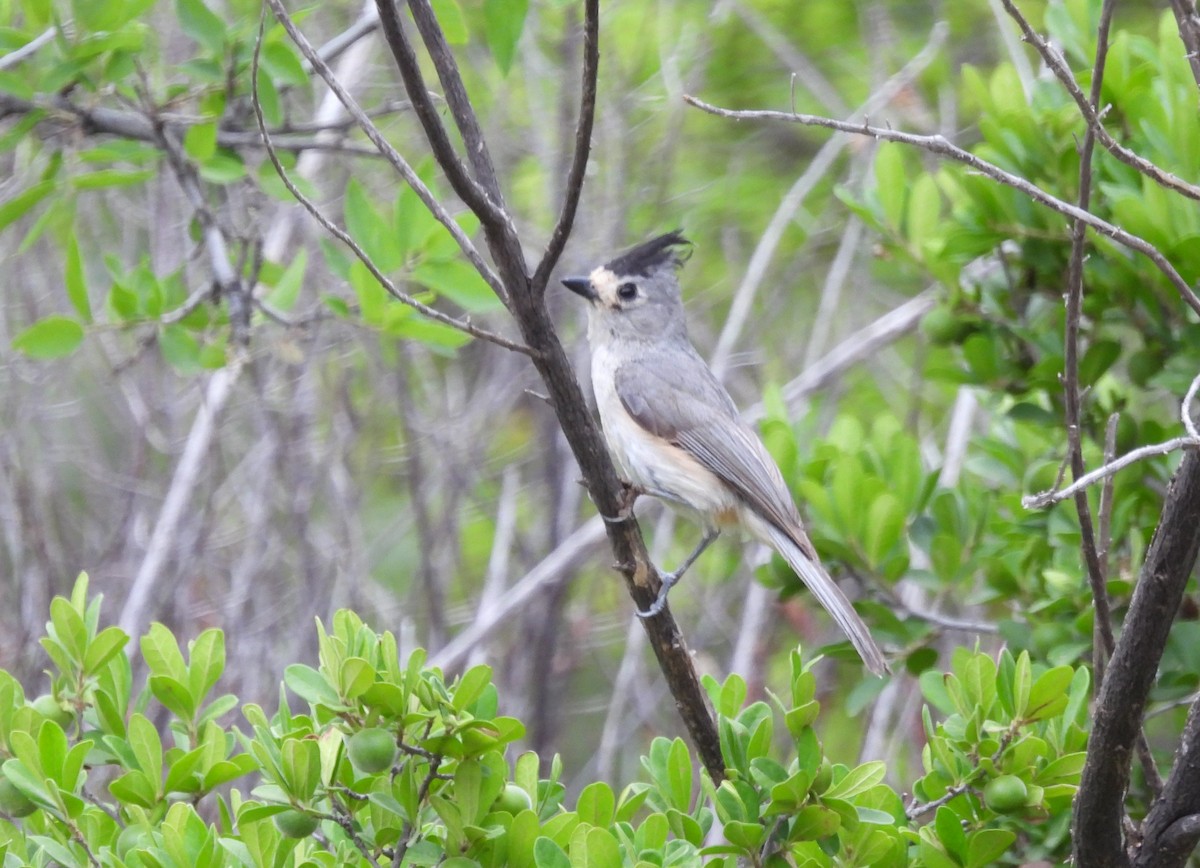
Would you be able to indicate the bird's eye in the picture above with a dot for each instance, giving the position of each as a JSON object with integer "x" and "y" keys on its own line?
{"x": 627, "y": 291}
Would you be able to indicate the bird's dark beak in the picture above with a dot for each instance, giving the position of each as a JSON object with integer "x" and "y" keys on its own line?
{"x": 580, "y": 286}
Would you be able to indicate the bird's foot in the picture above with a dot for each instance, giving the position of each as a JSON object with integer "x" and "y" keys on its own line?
{"x": 660, "y": 602}
{"x": 630, "y": 492}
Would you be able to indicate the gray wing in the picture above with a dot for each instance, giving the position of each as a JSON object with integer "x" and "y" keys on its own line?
{"x": 681, "y": 401}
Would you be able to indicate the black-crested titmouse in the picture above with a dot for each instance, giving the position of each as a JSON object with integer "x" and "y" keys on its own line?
{"x": 675, "y": 433}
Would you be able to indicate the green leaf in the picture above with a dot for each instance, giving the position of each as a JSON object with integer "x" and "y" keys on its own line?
{"x": 19, "y": 205}
{"x": 50, "y": 338}
{"x": 180, "y": 348}
{"x": 147, "y": 750}
{"x": 988, "y": 845}
{"x": 1022, "y": 678}
{"x": 355, "y": 677}
{"x": 111, "y": 178}
{"x": 174, "y": 695}
{"x": 107, "y": 645}
{"x": 457, "y": 280}
{"x": 206, "y": 654}
{"x": 281, "y": 61}
{"x": 596, "y": 804}
{"x": 301, "y": 767}
{"x": 76, "y": 282}
{"x": 503, "y": 22}
{"x": 201, "y": 24}
{"x": 470, "y": 686}
{"x": 286, "y": 290}
{"x": 162, "y": 654}
{"x": 369, "y": 229}
{"x": 891, "y": 184}
{"x": 310, "y": 685}
{"x": 200, "y": 141}
{"x": 857, "y": 780}
{"x": 67, "y": 628}
{"x": 450, "y": 17}
{"x": 1048, "y": 696}
{"x": 948, "y": 826}
{"x": 679, "y": 776}
{"x": 885, "y": 524}
{"x": 547, "y": 854}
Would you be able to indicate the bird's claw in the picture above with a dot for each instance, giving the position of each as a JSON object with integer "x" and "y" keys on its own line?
{"x": 660, "y": 602}
{"x": 630, "y": 492}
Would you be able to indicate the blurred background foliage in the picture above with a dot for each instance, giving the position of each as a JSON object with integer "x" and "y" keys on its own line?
{"x": 369, "y": 458}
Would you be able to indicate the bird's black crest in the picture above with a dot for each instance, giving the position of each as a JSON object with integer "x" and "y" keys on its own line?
{"x": 669, "y": 249}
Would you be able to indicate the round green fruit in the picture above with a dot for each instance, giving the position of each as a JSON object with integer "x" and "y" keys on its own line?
{"x": 48, "y": 707}
{"x": 295, "y": 824}
{"x": 372, "y": 750}
{"x": 12, "y": 801}
{"x": 943, "y": 326}
{"x": 1005, "y": 794}
{"x": 513, "y": 800}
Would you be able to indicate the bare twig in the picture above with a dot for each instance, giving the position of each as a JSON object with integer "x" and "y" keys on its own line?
{"x": 583, "y": 144}
{"x": 1189, "y": 31}
{"x": 1185, "y": 411}
{"x": 1047, "y": 498}
{"x": 938, "y": 144}
{"x": 343, "y": 236}
{"x": 1090, "y": 108}
{"x": 1071, "y": 392}
{"x": 29, "y": 49}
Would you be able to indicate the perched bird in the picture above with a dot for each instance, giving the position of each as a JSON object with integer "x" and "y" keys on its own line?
{"x": 675, "y": 433}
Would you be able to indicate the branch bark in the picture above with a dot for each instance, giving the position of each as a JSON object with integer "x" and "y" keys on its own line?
{"x": 1099, "y": 807}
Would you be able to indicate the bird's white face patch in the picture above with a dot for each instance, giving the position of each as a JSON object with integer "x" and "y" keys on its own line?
{"x": 605, "y": 283}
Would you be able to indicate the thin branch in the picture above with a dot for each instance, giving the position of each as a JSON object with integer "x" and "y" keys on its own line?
{"x": 29, "y": 49}
{"x": 398, "y": 162}
{"x": 1090, "y": 108}
{"x": 1185, "y": 411}
{"x": 583, "y": 144}
{"x": 1102, "y": 617}
{"x": 1189, "y": 31}
{"x": 470, "y": 190}
{"x": 938, "y": 144}
{"x": 366, "y": 24}
{"x": 946, "y": 622}
{"x": 343, "y": 236}
{"x": 456, "y": 95}
{"x": 1047, "y": 498}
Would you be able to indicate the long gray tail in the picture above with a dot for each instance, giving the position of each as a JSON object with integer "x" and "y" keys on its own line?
{"x": 832, "y": 598}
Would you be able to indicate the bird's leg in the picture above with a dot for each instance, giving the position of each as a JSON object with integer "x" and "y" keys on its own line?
{"x": 669, "y": 579}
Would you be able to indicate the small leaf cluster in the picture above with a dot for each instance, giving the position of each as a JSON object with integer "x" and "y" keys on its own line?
{"x": 1010, "y": 748}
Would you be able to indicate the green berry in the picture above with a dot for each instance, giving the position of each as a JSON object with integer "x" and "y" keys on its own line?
{"x": 1005, "y": 794}
{"x": 295, "y": 824}
{"x": 372, "y": 750}
{"x": 513, "y": 800}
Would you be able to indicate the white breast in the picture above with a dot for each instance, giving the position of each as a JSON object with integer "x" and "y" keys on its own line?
{"x": 650, "y": 461}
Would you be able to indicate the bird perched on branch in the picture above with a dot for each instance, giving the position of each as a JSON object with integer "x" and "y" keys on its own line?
{"x": 675, "y": 433}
